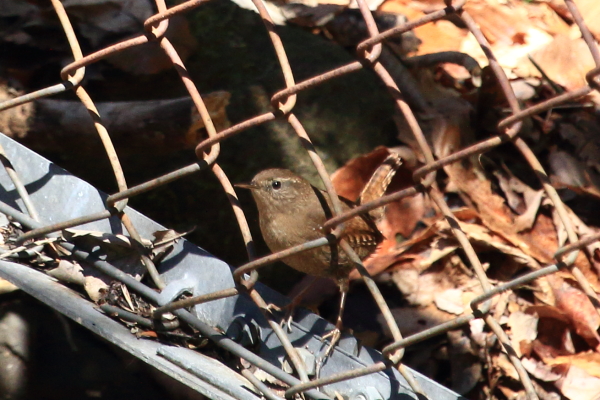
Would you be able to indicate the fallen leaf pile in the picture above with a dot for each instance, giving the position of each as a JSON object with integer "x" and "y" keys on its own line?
{"x": 49, "y": 256}
{"x": 514, "y": 230}
{"x": 498, "y": 202}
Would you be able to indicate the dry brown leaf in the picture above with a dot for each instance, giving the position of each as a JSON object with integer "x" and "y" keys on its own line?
{"x": 588, "y": 267}
{"x": 513, "y": 188}
{"x": 69, "y": 272}
{"x": 390, "y": 253}
{"x": 508, "y": 369}
{"x": 163, "y": 243}
{"x": 447, "y": 127}
{"x": 540, "y": 242}
{"x": 588, "y": 361}
{"x": 508, "y": 28}
{"x": 521, "y": 198}
{"x": 94, "y": 287}
{"x": 350, "y": 179}
{"x": 420, "y": 289}
{"x": 523, "y": 330}
{"x": 435, "y": 37}
{"x": 543, "y": 16}
{"x": 590, "y": 10}
{"x": 216, "y": 103}
{"x": 438, "y": 249}
{"x": 401, "y": 217}
{"x": 568, "y": 171}
{"x": 579, "y": 309}
{"x": 511, "y": 394}
{"x": 514, "y": 29}
{"x": 540, "y": 370}
{"x": 477, "y": 327}
{"x": 583, "y": 230}
{"x": 7, "y": 287}
{"x": 450, "y": 300}
{"x": 545, "y": 352}
{"x": 580, "y": 133}
{"x": 525, "y": 221}
{"x": 543, "y": 291}
{"x": 437, "y": 242}
{"x": 544, "y": 311}
{"x": 114, "y": 248}
{"x": 503, "y": 302}
{"x": 567, "y": 342}
{"x": 148, "y": 334}
{"x": 500, "y": 23}
{"x": 414, "y": 259}
{"x": 496, "y": 215}
{"x": 483, "y": 237}
{"x": 561, "y": 230}
{"x": 565, "y": 61}
{"x": 579, "y": 385}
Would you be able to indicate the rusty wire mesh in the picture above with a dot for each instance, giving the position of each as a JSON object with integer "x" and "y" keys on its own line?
{"x": 283, "y": 105}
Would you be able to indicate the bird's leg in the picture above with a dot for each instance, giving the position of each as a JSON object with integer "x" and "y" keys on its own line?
{"x": 296, "y": 300}
{"x": 336, "y": 333}
{"x": 290, "y": 308}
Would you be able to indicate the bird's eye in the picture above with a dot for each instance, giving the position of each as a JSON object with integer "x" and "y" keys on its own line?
{"x": 276, "y": 185}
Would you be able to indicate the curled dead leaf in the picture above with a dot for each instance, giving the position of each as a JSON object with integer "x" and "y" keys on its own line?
{"x": 94, "y": 287}
{"x": 68, "y": 272}
{"x": 580, "y": 311}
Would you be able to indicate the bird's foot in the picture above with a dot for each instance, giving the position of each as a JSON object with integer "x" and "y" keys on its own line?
{"x": 334, "y": 336}
{"x": 272, "y": 307}
{"x": 288, "y": 317}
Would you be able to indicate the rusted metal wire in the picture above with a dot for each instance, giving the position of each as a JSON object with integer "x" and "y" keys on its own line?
{"x": 512, "y": 355}
{"x": 283, "y": 102}
{"x": 21, "y": 190}
{"x": 114, "y": 311}
{"x": 192, "y": 301}
{"x": 71, "y": 81}
{"x": 45, "y": 230}
{"x": 137, "y": 244}
{"x": 264, "y": 389}
{"x": 371, "y": 369}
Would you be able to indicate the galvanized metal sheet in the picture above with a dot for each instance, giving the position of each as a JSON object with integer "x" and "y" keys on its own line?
{"x": 60, "y": 196}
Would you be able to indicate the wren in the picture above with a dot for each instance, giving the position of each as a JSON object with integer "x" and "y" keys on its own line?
{"x": 292, "y": 212}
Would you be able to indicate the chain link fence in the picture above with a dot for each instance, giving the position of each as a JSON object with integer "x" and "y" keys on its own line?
{"x": 283, "y": 103}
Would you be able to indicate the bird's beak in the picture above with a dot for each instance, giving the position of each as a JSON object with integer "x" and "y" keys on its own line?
{"x": 246, "y": 186}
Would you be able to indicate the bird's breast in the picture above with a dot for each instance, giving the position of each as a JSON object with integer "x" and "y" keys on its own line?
{"x": 282, "y": 233}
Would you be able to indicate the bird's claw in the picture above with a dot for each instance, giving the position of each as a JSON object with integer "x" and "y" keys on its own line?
{"x": 272, "y": 307}
{"x": 288, "y": 318}
{"x": 335, "y": 335}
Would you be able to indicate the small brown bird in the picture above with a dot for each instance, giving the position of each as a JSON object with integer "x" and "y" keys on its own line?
{"x": 292, "y": 212}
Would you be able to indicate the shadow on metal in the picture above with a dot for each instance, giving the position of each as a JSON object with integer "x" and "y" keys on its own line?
{"x": 60, "y": 196}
